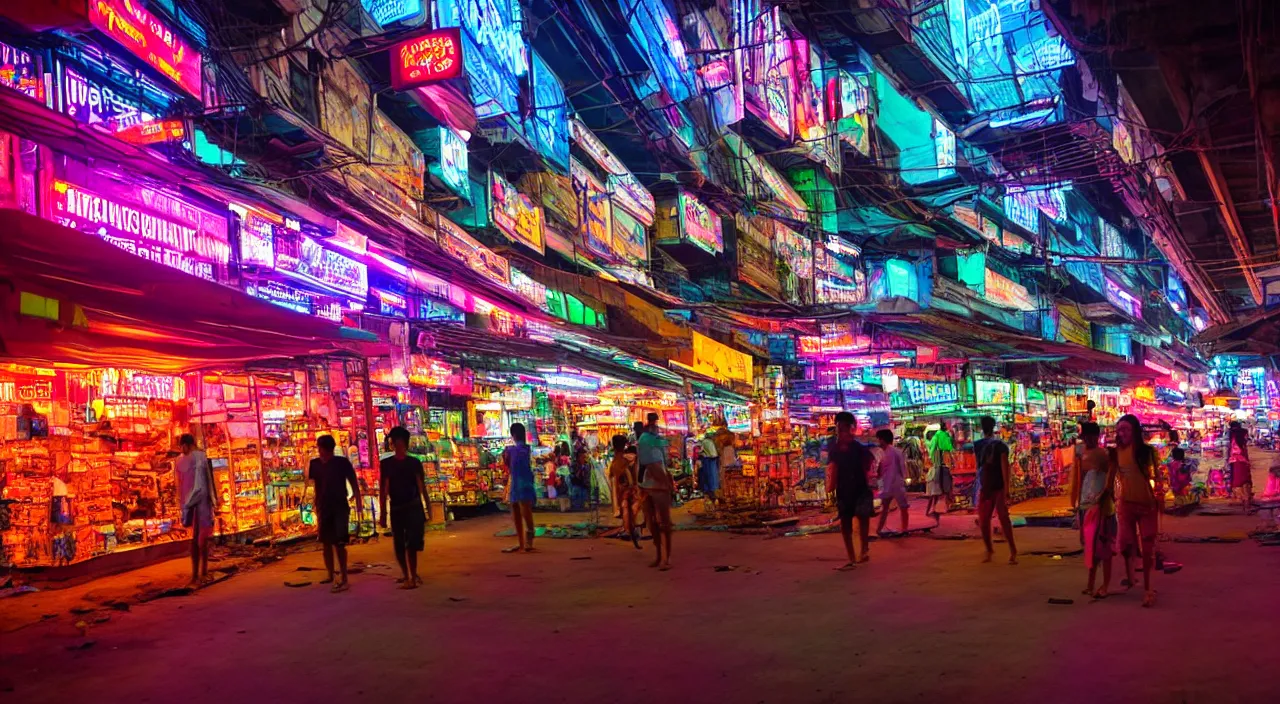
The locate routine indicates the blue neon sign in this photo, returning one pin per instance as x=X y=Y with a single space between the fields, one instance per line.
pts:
x=385 y=12
x=549 y=126
x=494 y=53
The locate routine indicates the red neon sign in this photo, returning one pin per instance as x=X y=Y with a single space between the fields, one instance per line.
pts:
x=154 y=132
x=142 y=33
x=434 y=56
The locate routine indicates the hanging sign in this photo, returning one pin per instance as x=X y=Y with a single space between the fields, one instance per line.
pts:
x=314 y=263
x=386 y=12
x=622 y=185
x=923 y=392
x=1073 y=327
x=148 y=223
x=719 y=361
x=464 y=248
x=992 y=393
x=514 y=214
x=699 y=224
x=494 y=50
x=144 y=34
x=1004 y=292
x=100 y=106
x=18 y=71
x=431 y=57
x=630 y=240
x=595 y=213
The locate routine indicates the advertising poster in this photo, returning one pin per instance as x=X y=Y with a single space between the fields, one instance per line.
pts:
x=428 y=58
x=514 y=214
x=720 y=361
x=150 y=39
x=345 y=106
x=757 y=264
x=595 y=218
x=700 y=225
x=630 y=240
x=464 y=248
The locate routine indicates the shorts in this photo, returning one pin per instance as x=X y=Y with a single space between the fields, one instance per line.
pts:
x=334 y=528
x=408 y=526
x=1135 y=519
x=898 y=495
x=860 y=506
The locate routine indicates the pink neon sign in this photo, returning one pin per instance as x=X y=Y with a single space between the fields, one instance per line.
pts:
x=142 y=33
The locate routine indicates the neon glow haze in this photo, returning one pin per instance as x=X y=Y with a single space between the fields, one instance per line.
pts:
x=494 y=53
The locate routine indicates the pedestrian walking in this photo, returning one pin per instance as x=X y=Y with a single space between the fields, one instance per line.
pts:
x=1136 y=467
x=1241 y=467
x=993 y=474
x=847 y=464
x=403 y=482
x=518 y=461
x=709 y=468
x=938 y=483
x=1094 y=501
x=622 y=479
x=331 y=474
x=893 y=480
x=199 y=503
x=658 y=487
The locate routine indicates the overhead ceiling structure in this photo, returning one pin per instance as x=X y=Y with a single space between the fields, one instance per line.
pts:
x=1200 y=97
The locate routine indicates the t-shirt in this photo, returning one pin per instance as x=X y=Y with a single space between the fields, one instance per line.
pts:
x=1093 y=479
x=938 y=444
x=851 y=464
x=402 y=477
x=651 y=448
x=193 y=478
x=709 y=449
x=331 y=480
x=893 y=469
x=990 y=469
x=618 y=469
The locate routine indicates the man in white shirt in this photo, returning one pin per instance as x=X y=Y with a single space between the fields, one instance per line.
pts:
x=199 y=499
x=893 y=480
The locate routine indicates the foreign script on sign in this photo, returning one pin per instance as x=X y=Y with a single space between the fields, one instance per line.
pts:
x=435 y=56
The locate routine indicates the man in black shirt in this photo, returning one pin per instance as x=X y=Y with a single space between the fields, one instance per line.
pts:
x=402 y=480
x=847 y=463
x=331 y=474
x=994 y=481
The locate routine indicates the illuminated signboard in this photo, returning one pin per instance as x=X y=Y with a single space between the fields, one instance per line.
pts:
x=154 y=132
x=1176 y=292
x=514 y=214
x=623 y=187
x=595 y=213
x=768 y=73
x=944 y=145
x=657 y=35
x=853 y=112
x=453 y=164
x=1073 y=327
x=629 y=238
x=795 y=249
x=529 y=288
x=992 y=393
x=463 y=247
x=144 y=34
x=1005 y=292
x=385 y=12
x=548 y=126
x=148 y=223
x=720 y=361
x=923 y=392
x=840 y=342
x=19 y=72
x=573 y=382
x=1021 y=208
x=494 y=52
x=98 y=105
x=325 y=267
x=699 y=224
x=840 y=278
x=434 y=56
x=257 y=235
x=395 y=156
x=427 y=371
x=1120 y=297
x=283 y=295
x=757 y=264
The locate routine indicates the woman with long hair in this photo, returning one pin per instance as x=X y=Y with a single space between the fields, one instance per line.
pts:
x=1135 y=462
x=1241 y=468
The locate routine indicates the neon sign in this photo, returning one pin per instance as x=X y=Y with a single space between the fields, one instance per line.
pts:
x=769 y=81
x=142 y=33
x=282 y=295
x=989 y=393
x=494 y=52
x=923 y=392
x=1005 y=292
x=700 y=224
x=629 y=237
x=1120 y=297
x=1156 y=367
x=18 y=71
x=514 y=214
x=99 y=106
x=463 y=247
x=548 y=127
x=148 y=223
x=385 y=12
x=795 y=249
x=944 y=148
x=434 y=56
x=327 y=268
x=595 y=213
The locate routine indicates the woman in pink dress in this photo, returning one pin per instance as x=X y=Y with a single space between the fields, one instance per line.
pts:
x=1241 y=469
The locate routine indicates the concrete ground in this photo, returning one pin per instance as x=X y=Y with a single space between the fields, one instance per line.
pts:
x=741 y=618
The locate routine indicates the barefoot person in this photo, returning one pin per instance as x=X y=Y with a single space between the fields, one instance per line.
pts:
x=199 y=503
x=893 y=480
x=331 y=474
x=518 y=460
x=993 y=474
x=403 y=482
x=651 y=448
x=1092 y=494
x=847 y=464
x=622 y=478
x=1135 y=465
x=1241 y=467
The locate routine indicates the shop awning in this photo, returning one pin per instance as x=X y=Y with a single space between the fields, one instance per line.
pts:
x=141 y=314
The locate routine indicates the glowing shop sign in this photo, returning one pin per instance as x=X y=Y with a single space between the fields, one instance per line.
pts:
x=1004 y=292
x=768 y=73
x=494 y=52
x=923 y=392
x=699 y=224
x=426 y=371
x=719 y=361
x=18 y=71
x=944 y=149
x=1157 y=367
x=327 y=268
x=282 y=295
x=629 y=237
x=595 y=213
x=625 y=189
x=384 y=12
x=431 y=57
x=144 y=34
x=154 y=132
x=548 y=125
x=454 y=162
x=1120 y=297
x=795 y=249
x=831 y=343
x=148 y=223
x=463 y=247
x=573 y=382
x=99 y=106
x=1022 y=209
x=257 y=235
x=992 y=393
x=514 y=214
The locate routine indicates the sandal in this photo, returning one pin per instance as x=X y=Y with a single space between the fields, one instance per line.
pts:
x=513 y=548
x=1100 y=595
x=1149 y=599
x=326 y=580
